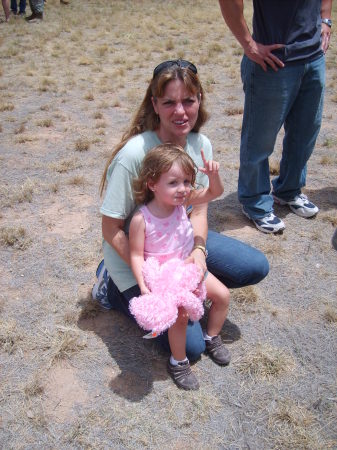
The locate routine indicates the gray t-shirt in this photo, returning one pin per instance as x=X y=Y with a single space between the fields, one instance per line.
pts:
x=295 y=23
x=118 y=201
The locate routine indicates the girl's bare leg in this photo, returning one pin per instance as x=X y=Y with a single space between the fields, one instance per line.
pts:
x=177 y=336
x=219 y=295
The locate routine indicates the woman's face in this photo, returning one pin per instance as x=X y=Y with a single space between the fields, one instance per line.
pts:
x=178 y=112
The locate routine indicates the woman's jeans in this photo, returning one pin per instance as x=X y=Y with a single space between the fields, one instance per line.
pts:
x=293 y=97
x=234 y=263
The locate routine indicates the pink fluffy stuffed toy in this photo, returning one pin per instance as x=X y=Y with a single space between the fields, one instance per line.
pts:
x=172 y=284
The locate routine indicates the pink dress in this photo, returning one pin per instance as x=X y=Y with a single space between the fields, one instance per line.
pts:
x=171 y=237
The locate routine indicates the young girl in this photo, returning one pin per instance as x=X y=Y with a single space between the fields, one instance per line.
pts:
x=161 y=228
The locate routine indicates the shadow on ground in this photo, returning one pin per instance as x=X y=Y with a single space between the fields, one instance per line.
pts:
x=225 y=214
x=140 y=361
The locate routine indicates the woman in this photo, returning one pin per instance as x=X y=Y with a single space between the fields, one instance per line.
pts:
x=172 y=111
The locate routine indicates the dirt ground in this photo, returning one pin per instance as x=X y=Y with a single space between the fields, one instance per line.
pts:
x=75 y=377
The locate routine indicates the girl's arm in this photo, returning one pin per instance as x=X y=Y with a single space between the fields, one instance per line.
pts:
x=215 y=188
x=136 y=242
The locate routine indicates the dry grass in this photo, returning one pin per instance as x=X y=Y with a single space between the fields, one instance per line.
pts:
x=15 y=237
x=330 y=314
x=263 y=361
x=10 y=336
x=61 y=344
x=246 y=295
x=68 y=89
x=34 y=387
x=6 y=107
x=77 y=180
x=274 y=167
x=45 y=123
x=292 y=426
x=328 y=160
x=82 y=145
x=19 y=194
x=64 y=165
x=330 y=217
x=234 y=111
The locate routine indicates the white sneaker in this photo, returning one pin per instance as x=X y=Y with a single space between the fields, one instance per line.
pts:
x=300 y=205
x=100 y=289
x=268 y=224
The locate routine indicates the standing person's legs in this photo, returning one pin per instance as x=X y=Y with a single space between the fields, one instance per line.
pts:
x=37 y=11
x=302 y=126
x=22 y=6
x=36 y=6
x=14 y=6
x=268 y=99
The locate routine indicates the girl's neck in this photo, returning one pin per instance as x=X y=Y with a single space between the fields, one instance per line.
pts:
x=159 y=209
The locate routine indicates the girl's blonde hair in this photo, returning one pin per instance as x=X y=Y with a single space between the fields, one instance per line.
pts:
x=146 y=118
x=157 y=161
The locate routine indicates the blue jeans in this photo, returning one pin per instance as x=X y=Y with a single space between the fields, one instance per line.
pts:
x=36 y=6
x=293 y=97
x=14 y=6
x=234 y=263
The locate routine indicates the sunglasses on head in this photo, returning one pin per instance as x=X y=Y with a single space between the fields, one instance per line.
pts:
x=181 y=63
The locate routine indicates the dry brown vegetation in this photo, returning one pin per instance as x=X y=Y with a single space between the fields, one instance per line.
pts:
x=74 y=377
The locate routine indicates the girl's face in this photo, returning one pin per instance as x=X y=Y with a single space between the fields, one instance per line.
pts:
x=178 y=112
x=173 y=187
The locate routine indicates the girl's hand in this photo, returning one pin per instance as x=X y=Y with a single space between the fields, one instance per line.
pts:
x=144 y=290
x=210 y=167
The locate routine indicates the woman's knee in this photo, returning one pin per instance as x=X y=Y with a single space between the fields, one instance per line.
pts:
x=195 y=343
x=260 y=269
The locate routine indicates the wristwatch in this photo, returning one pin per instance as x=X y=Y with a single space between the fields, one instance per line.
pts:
x=327 y=22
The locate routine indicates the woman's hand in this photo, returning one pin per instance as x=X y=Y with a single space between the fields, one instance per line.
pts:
x=198 y=257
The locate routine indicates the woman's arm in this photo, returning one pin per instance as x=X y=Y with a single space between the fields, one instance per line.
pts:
x=200 y=228
x=137 y=242
x=113 y=233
